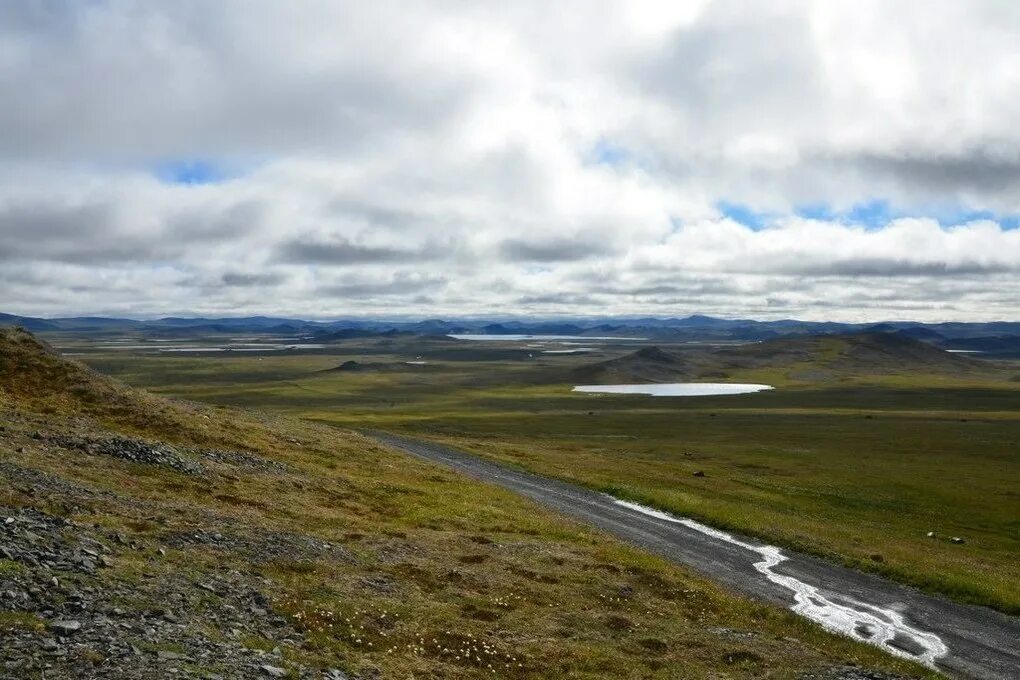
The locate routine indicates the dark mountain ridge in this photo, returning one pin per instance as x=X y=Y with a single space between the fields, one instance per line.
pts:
x=998 y=337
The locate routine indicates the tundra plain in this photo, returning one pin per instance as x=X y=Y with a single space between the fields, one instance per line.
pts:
x=860 y=452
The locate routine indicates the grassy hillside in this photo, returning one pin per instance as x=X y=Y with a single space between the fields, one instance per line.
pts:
x=648 y=364
x=143 y=535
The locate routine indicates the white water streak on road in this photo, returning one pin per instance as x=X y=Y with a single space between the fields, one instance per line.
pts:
x=863 y=621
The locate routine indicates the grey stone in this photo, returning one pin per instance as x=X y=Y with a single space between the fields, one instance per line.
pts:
x=165 y=655
x=65 y=626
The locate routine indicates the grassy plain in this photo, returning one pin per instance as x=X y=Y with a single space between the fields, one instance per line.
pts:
x=438 y=565
x=858 y=468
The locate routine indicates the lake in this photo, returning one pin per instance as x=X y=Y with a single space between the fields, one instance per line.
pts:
x=521 y=338
x=675 y=389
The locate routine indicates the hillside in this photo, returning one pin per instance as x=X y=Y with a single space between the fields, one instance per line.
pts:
x=815 y=358
x=648 y=364
x=145 y=537
x=857 y=354
x=33 y=371
x=375 y=366
x=27 y=322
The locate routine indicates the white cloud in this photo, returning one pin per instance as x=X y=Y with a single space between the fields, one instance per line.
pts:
x=451 y=157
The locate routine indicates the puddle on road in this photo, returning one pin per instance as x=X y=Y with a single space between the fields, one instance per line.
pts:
x=879 y=626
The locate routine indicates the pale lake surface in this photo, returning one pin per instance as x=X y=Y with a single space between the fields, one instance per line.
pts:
x=675 y=389
x=520 y=338
x=576 y=350
x=244 y=348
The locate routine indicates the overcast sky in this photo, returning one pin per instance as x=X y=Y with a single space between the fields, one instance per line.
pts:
x=850 y=160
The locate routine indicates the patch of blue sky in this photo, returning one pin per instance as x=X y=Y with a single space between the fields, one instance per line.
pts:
x=871 y=214
x=745 y=215
x=605 y=152
x=192 y=171
x=877 y=213
x=816 y=211
x=956 y=215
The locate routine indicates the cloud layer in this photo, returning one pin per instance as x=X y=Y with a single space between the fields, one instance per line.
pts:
x=455 y=158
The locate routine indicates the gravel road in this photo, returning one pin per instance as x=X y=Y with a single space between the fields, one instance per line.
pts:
x=957 y=639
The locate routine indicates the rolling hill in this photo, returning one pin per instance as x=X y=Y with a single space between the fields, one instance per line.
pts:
x=811 y=358
x=648 y=364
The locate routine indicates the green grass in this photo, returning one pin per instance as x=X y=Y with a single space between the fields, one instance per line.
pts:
x=12 y=621
x=440 y=565
x=467 y=565
x=10 y=568
x=859 y=469
x=837 y=484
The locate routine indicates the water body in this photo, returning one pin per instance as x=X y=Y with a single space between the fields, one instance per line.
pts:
x=576 y=350
x=880 y=626
x=244 y=348
x=520 y=338
x=675 y=389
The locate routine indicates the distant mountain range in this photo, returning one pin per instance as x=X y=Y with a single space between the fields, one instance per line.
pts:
x=1001 y=338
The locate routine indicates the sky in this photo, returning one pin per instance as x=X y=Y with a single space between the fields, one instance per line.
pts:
x=853 y=160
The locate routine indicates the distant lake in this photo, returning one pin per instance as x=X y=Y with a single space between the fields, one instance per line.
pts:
x=121 y=345
x=576 y=350
x=675 y=389
x=519 y=338
x=251 y=347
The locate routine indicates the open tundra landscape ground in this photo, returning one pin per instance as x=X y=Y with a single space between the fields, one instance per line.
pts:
x=320 y=503
x=149 y=537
